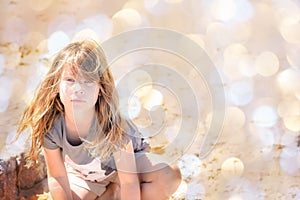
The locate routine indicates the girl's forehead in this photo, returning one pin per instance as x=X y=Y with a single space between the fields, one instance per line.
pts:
x=68 y=69
x=75 y=71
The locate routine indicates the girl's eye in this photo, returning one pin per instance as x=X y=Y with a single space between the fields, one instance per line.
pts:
x=70 y=80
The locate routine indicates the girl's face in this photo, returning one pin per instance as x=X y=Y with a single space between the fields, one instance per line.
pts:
x=77 y=93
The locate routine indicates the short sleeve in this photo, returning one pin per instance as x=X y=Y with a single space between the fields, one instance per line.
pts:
x=53 y=139
x=50 y=142
x=138 y=142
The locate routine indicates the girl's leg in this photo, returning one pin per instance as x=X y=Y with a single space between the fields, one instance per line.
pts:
x=159 y=181
x=160 y=184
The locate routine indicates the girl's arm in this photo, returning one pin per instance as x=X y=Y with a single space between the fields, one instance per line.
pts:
x=126 y=166
x=58 y=182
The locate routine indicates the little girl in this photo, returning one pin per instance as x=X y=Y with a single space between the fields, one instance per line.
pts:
x=90 y=151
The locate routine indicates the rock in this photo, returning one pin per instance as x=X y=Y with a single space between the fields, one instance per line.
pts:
x=20 y=182
x=29 y=177
x=8 y=179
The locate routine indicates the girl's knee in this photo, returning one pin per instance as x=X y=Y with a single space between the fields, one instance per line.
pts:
x=171 y=173
x=170 y=176
x=163 y=181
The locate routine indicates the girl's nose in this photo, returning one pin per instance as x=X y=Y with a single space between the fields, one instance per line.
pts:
x=77 y=88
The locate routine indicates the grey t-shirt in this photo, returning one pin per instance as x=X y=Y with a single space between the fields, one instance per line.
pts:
x=78 y=157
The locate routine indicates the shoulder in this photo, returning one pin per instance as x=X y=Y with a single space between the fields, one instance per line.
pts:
x=58 y=126
x=135 y=137
x=53 y=139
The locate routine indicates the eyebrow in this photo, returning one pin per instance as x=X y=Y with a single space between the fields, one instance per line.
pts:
x=68 y=73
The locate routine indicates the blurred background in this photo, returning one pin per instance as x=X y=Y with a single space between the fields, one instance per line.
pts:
x=254 y=46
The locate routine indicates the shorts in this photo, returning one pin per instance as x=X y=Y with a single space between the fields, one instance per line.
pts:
x=97 y=187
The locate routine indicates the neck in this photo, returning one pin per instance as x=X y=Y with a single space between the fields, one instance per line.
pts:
x=78 y=123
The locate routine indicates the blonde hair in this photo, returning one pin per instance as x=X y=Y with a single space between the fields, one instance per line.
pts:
x=88 y=58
